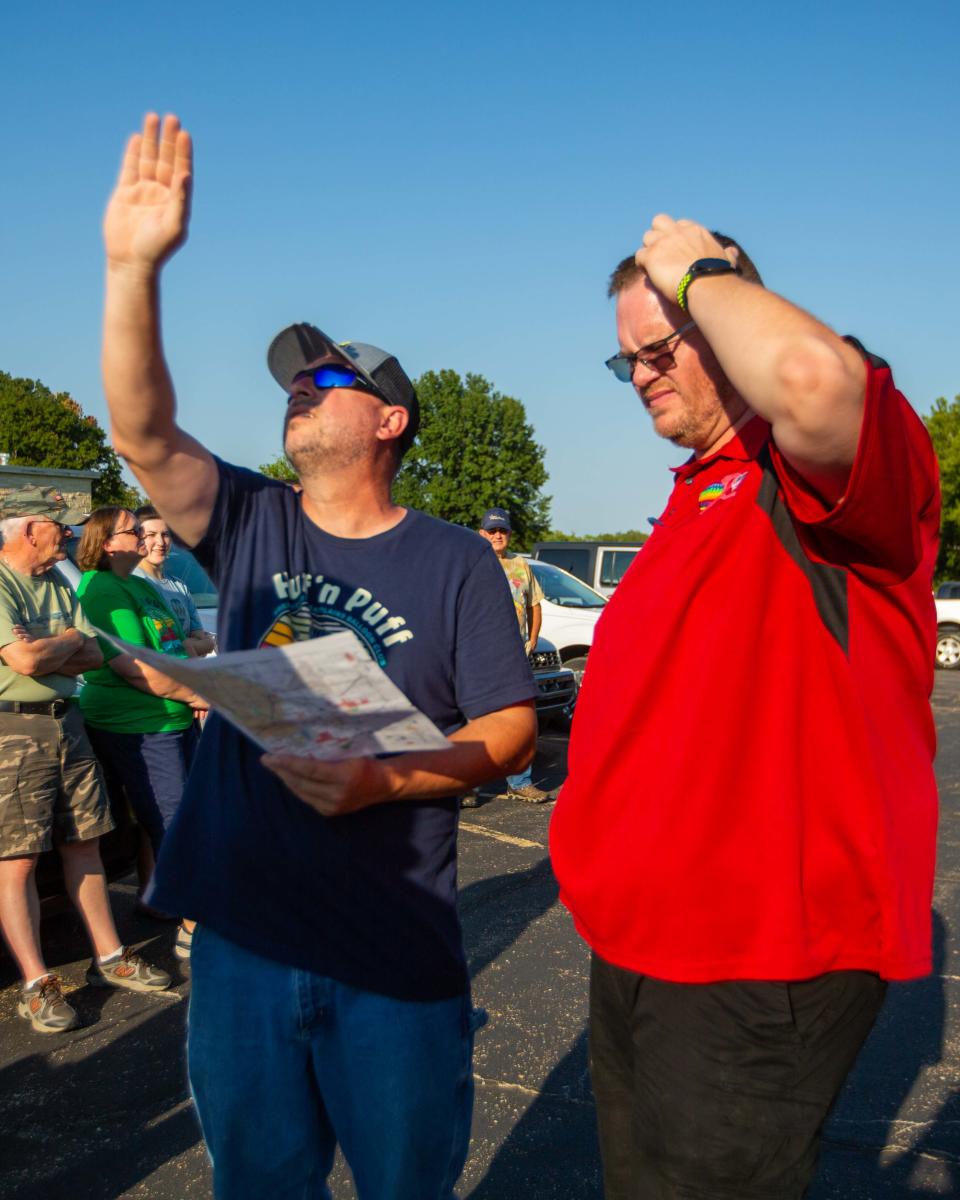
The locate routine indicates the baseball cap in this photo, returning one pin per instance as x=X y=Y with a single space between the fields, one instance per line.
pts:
x=40 y=502
x=297 y=346
x=495 y=518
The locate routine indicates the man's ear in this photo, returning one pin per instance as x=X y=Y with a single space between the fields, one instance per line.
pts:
x=393 y=422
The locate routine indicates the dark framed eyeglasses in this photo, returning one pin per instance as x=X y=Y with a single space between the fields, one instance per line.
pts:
x=134 y=529
x=657 y=357
x=337 y=375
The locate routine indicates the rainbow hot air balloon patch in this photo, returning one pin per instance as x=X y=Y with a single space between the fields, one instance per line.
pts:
x=721 y=489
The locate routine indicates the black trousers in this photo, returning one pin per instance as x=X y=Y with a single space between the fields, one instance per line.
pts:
x=719 y=1090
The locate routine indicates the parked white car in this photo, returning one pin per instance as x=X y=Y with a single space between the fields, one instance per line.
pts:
x=947 y=600
x=570 y=611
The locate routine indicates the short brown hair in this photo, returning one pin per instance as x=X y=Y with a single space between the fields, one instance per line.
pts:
x=146 y=512
x=96 y=530
x=627 y=272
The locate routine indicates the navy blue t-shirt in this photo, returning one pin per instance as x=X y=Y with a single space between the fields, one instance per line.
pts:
x=368 y=898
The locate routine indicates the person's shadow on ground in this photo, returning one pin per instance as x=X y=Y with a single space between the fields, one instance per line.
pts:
x=553 y=1151
x=907 y=1038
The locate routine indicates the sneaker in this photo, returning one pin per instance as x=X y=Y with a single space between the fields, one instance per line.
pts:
x=470 y=799
x=44 y=1007
x=128 y=971
x=529 y=794
x=181 y=947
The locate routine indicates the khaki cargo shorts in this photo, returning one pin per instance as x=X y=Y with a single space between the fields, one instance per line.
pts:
x=51 y=787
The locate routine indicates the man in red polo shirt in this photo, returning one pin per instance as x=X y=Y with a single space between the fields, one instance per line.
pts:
x=746 y=835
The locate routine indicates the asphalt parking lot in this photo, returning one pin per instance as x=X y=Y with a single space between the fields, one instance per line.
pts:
x=104 y=1112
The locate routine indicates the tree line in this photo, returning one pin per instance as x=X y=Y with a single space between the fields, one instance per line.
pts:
x=476 y=450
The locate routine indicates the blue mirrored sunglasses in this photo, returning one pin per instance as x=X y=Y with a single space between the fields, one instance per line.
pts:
x=337 y=375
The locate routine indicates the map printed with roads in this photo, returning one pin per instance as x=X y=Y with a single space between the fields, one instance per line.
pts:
x=323 y=698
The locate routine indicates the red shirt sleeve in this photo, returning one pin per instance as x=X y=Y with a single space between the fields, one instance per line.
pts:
x=883 y=525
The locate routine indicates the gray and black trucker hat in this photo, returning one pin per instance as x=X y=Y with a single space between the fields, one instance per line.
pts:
x=295 y=347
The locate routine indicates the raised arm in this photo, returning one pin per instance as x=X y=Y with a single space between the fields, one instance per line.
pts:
x=146 y=222
x=789 y=367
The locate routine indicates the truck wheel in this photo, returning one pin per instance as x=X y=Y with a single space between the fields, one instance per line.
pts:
x=577 y=666
x=947 y=655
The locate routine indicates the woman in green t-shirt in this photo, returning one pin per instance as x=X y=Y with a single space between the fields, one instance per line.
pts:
x=142 y=724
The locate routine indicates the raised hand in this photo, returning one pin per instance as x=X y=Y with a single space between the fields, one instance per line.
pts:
x=148 y=213
x=670 y=247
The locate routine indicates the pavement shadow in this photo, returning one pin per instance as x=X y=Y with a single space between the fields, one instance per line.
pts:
x=532 y=890
x=552 y=1151
x=96 y=1126
x=863 y=1127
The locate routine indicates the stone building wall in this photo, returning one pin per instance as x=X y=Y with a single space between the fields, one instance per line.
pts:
x=74 y=486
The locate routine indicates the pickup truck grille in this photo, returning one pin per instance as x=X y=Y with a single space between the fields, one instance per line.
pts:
x=545 y=660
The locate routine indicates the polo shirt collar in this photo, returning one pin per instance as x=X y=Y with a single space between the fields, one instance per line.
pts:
x=744 y=446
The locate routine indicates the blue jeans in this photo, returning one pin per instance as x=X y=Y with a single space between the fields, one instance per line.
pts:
x=284 y=1064
x=518 y=781
x=151 y=769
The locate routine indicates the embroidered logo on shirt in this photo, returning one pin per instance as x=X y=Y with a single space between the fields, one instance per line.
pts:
x=723 y=489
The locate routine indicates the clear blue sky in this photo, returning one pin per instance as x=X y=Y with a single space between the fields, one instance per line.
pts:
x=455 y=182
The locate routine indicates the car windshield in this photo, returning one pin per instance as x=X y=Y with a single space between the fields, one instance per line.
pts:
x=566 y=590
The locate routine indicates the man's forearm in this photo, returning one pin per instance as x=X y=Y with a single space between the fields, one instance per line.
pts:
x=789 y=367
x=786 y=365
x=534 y=621
x=43 y=656
x=177 y=472
x=136 y=380
x=499 y=743
x=87 y=658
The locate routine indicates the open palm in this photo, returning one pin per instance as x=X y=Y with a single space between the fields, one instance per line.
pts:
x=149 y=210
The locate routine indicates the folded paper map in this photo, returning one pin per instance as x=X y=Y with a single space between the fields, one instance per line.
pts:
x=322 y=698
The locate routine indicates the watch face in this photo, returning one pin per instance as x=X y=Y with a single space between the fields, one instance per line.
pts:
x=711 y=266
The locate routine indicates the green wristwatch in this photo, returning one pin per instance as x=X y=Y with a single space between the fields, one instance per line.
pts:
x=703 y=266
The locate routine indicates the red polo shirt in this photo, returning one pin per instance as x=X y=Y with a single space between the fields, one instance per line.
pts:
x=751 y=791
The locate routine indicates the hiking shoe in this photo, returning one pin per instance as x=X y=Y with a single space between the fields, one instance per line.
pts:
x=44 y=1007
x=529 y=794
x=181 y=947
x=470 y=799
x=128 y=971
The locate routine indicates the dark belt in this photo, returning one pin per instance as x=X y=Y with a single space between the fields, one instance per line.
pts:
x=48 y=708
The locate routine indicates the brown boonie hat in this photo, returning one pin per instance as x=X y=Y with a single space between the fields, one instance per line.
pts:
x=40 y=502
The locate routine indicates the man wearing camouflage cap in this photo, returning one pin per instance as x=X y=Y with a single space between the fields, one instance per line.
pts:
x=51 y=792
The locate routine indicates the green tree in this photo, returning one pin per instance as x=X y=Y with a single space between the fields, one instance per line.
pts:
x=278 y=468
x=943 y=424
x=628 y=537
x=475 y=451
x=40 y=428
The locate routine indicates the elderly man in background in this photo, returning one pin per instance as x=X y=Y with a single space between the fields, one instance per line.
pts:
x=51 y=792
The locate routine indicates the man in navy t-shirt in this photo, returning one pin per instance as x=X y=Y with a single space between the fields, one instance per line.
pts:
x=330 y=1000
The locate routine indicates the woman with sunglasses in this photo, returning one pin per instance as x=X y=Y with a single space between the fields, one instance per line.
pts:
x=141 y=723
